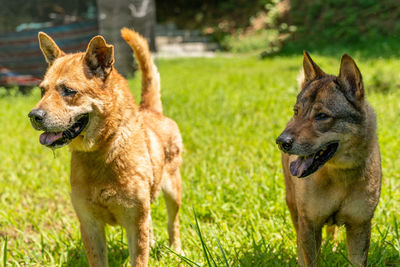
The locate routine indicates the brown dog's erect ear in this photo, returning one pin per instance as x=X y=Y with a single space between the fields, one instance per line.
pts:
x=311 y=70
x=49 y=48
x=99 y=56
x=351 y=78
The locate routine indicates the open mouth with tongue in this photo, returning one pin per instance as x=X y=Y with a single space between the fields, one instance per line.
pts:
x=305 y=165
x=59 y=139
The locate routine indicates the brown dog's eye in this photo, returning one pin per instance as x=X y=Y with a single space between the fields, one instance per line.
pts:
x=68 y=91
x=321 y=116
x=295 y=111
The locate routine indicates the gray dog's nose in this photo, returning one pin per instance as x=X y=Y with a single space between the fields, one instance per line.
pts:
x=285 y=142
x=37 y=115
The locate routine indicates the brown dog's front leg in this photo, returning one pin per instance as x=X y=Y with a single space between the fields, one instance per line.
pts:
x=358 y=238
x=138 y=232
x=309 y=239
x=94 y=241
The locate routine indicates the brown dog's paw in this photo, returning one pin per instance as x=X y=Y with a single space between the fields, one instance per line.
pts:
x=178 y=250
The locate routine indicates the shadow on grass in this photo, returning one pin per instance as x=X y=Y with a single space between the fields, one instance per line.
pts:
x=117 y=252
x=118 y=255
x=262 y=254
x=381 y=253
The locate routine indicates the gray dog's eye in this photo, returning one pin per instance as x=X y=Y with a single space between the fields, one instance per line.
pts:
x=321 y=116
x=68 y=91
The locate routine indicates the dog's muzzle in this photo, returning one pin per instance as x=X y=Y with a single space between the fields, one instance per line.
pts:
x=57 y=138
x=37 y=117
x=285 y=142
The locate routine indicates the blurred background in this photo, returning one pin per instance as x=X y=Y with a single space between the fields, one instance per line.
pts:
x=182 y=28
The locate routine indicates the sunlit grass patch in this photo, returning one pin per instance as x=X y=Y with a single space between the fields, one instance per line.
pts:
x=229 y=110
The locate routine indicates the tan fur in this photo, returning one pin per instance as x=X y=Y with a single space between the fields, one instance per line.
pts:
x=125 y=155
x=151 y=97
x=346 y=189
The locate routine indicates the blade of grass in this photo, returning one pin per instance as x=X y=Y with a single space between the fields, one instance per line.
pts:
x=186 y=260
x=344 y=256
x=396 y=227
x=222 y=251
x=5 y=252
x=198 y=230
x=211 y=257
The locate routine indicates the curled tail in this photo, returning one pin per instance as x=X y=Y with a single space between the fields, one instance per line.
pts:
x=151 y=96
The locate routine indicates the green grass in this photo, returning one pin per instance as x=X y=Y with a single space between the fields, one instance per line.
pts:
x=230 y=110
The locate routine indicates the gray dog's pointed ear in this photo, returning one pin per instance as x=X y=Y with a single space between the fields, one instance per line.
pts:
x=99 y=56
x=350 y=77
x=49 y=48
x=311 y=70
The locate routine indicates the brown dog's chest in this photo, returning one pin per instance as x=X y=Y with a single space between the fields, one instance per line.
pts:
x=105 y=213
x=105 y=190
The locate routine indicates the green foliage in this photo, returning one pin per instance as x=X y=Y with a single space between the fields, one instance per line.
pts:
x=229 y=110
x=311 y=23
x=263 y=39
x=317 y=23
x=324 y=22
x=269 y=35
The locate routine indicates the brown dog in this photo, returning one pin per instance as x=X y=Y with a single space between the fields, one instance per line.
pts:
x=331 y=161
x=122 y=153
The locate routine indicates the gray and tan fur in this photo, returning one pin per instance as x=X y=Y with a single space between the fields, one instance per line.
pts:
x=331 y=111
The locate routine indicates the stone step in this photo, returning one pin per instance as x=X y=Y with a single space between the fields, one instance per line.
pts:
x=176 y=54
x=170 y=29
x=173 y=42
x=187 y=33
x=187 y=47
x=161 y=40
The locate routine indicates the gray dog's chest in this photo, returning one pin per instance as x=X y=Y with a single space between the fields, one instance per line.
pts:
x=335 y=203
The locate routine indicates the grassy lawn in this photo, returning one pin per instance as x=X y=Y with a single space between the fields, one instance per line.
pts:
x=230 y=110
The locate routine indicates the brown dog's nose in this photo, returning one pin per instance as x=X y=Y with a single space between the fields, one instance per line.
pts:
x=37 y=115
x=285 y=142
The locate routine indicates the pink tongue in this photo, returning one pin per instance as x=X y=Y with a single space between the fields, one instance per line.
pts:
x=300 y=165
x=49 y=138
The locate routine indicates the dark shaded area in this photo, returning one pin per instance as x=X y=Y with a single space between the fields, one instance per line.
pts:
x=261 y=254
x=353 y=21
x=216 y=18
x=18 y=12
x=198 y=14
x=116 y=251
x=367 y=28
x=21 y=20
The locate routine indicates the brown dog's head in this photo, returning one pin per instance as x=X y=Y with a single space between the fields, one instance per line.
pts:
x=71 y=97
x=328 y=113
